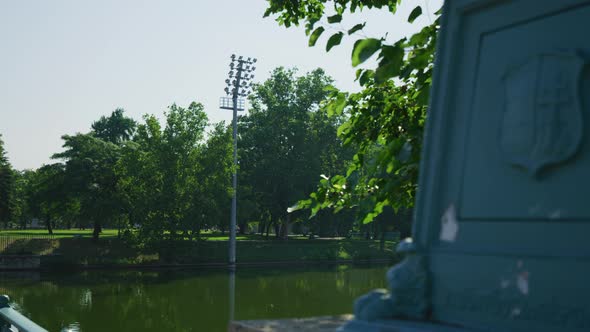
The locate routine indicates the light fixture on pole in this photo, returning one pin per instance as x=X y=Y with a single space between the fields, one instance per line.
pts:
x=239 y=84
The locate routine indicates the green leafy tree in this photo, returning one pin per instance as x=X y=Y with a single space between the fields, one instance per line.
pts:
x=286 y=143
x=90 y=176
x=158 y=173
x=116 y=128
x=140 y=178
x=24 y=189
x=47 y=192
x=214 y=174
x=6 y=186
x=90 y=161
x=385 y=120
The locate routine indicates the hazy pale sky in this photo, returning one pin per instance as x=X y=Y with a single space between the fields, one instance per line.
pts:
x=65 y=63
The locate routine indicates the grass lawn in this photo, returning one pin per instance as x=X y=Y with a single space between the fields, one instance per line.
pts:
x=245 y=237
x=106 y=233
x=57 y=233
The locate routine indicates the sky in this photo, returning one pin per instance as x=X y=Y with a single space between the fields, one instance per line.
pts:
x=66 y=63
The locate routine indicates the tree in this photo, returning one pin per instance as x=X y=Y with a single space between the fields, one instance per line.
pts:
x=47 y=197
x=159 y=173
x=90 y=176
x=6 y=186
x=286 y=143
x=385 y=120
x=215 y=165
x=116 y=128
x=24 y=189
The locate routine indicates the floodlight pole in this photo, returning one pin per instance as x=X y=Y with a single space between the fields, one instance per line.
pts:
x=239 y=87
x=234 y=198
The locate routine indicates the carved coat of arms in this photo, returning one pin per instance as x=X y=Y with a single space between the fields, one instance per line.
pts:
x=542 y=123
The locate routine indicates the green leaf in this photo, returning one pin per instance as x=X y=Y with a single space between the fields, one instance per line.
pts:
x=358 y=73
x=363 y=49
x=345 y=127
x=423 y=97
x=310 y=24
x=334 y=40
x=390 y=64
x=315 y=35
x=335 y=19
x=421 y=37
x=356 y=28
x=366 y=77
x=414 y=14
x=330 y=88
x=298 y=206
x=392 y=5
x=336 y=106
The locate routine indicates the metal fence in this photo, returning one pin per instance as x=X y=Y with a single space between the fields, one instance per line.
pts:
x=14 y=243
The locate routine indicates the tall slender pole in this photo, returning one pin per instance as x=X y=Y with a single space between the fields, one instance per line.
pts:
x=234 y=198
x=240 y=87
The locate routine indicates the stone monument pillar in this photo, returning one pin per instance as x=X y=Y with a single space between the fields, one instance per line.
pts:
x=501 y=238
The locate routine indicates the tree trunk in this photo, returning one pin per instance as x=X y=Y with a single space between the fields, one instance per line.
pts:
x=268 y=228
x=96 y=231
x=49 y=228
x=277 y=226
x=285 y=228
x=262 y=226
x=242 y=229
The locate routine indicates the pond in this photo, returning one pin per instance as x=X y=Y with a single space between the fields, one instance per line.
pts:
x=188 y=300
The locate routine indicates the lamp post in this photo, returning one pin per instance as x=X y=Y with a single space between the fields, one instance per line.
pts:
x=239 y=85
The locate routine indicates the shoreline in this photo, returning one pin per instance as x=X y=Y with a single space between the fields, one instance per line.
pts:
x=211 y=265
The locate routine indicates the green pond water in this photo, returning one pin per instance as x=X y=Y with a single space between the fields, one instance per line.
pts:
x=188 y=300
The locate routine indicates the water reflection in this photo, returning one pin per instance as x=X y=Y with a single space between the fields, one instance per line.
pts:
x=185 y=300
x=74 y=327
x=232 y=293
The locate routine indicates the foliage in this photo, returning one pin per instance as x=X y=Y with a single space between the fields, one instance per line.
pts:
x=6 y=186
x=90 y=177
x=46 y=194
x=160 y=183
x=21 y=199
x=215 y=174
x=385 y=120
x=285 y=143
x=171 y=181
x=116 y=128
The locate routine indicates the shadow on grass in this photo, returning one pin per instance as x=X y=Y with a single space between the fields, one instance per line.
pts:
x=84 y=251
x=112 y=251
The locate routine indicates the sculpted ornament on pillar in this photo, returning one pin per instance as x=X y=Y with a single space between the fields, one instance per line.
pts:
x=542 y=122
x=407 y=297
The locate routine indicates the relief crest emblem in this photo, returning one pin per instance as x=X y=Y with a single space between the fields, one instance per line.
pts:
x=542 y=122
